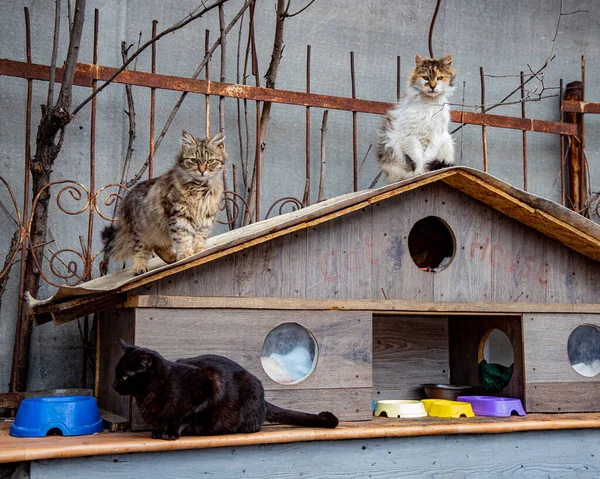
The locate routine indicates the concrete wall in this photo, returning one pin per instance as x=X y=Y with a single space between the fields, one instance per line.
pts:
x=502 y=37
x=572 y=455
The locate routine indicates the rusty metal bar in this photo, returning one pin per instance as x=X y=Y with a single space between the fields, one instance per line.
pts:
x=207 y=77
x=83 y=77
x=398 y=78
x=354 y=126
x=524 y=133
x=152 y=105
x=581 y=107
x=561 y=104
x=307 y=185
x=483 y=128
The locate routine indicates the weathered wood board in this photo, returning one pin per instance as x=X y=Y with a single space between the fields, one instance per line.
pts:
x=466 y=334
x=408 y=351
x=552 y=384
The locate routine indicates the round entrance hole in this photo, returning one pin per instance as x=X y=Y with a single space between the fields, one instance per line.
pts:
x=583 y=348
x=289 y=353
x=431 y=244
x=496 y=359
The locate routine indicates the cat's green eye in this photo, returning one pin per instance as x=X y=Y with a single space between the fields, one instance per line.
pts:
x=426 y=78
x=440 y=78
x=211 y=161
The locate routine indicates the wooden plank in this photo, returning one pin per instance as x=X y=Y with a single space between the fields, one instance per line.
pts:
x=352 y=404
x=114 y=423
x=344 y=340
x=381 y=306
x=517 y=256
x=113 y=325
x=465 y=338
x=546 y=337
x=276 y=269
x=563 y=397
x=571 y=277
x=34 y=449
x=395 y=274
x=68 y=311
x=469 y=276
x=408 y=351
x=337 y=260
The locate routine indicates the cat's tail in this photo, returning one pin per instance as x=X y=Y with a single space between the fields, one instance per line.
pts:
x=438 y=165
x=114 y=238
x=278 y=415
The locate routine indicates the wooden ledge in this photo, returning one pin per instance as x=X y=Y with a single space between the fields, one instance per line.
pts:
x=380 y=306
x=14 y=449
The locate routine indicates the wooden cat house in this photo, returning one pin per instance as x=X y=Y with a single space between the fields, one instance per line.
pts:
x=370 y=295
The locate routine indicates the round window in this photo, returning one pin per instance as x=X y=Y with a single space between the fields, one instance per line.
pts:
x=289 y=353
x=496 y=360
x=431 y=244
x=583 y=348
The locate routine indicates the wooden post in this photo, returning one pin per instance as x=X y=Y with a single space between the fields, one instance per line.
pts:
x=574 y=92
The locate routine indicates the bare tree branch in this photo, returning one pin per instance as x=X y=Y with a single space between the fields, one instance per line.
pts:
x=290 y=15
x=322 y=175
x=9 y=261
x=50 y=99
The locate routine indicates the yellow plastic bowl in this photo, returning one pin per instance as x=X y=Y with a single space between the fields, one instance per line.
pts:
x=402 y=408
x=446 y=408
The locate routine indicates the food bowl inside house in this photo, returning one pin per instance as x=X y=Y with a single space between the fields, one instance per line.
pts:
x=445 y=391
x=400 y=408
x=57 y=415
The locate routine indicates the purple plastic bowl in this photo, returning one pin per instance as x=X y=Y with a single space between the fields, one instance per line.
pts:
x=494 y=406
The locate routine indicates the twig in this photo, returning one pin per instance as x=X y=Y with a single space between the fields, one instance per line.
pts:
x=222 y=104
x=375 y=180
x=290 y=15
x=180 y=24
x=50 y=99
x=239 y=114
x=322 y=175
x=130 y=112
x=175 y=109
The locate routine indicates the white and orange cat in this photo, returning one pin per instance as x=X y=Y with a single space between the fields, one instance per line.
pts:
x=414 y=138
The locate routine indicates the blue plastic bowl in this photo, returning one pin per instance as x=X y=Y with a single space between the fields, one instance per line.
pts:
x=71 y=415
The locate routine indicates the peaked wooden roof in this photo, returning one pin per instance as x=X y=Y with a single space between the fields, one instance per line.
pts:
x=548 y=217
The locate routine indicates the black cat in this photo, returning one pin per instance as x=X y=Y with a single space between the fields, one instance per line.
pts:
x=201 y=396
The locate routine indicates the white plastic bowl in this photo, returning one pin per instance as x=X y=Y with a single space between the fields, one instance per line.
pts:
x=402 y=408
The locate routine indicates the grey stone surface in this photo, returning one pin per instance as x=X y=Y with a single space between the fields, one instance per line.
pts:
x=540 y=454
x=503 y=37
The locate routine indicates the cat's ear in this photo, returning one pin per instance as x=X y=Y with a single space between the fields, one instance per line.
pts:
x=418 y=61
x=447 y=60
x=145 y=361
x=187 y=139
x=218 y=141
x=126 y=346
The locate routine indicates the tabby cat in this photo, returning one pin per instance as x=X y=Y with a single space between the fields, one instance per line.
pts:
x=173 y=214
x=414 y=137
x=205 y=395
